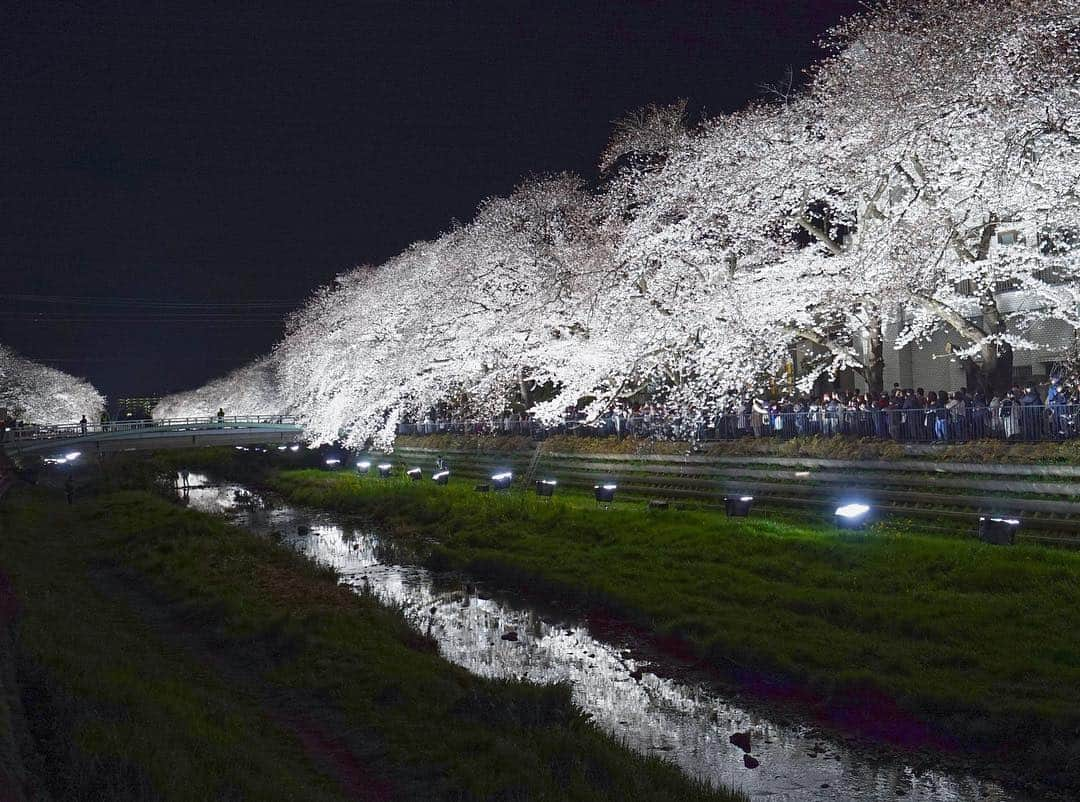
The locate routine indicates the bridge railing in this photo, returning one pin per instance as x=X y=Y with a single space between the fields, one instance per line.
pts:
x=72 y=430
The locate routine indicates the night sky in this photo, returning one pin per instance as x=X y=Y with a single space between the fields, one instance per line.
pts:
x=220 y=164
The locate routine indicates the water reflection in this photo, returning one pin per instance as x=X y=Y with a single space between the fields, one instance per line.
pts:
x=688 y=723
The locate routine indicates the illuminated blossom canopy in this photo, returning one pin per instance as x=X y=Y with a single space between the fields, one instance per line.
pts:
x=35 y=393
x=917 y=173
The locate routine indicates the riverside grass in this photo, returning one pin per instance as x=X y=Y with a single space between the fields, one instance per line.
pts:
x=980 y=643
x=165 y=655
x=989 y=451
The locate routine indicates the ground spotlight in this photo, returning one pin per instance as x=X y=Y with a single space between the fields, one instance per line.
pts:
x=738 y=506
x=363 y=466
x=605 y=494
x=384 y=470
x=440 y=477
x=545 y=487
x=851 y=516
x=415 y=474
x=281 y=448
x=501 y=481
x=999 y=531
x=74 y=455
x=294 y=447
x=332 y=462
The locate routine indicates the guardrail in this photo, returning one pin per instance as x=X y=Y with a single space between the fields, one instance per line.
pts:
x=17 y=434
x=1030 y=423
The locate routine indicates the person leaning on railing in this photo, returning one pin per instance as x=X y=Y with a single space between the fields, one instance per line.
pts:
x=1056 y=404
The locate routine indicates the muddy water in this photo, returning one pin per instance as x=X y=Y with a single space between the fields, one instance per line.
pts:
x=686 y=722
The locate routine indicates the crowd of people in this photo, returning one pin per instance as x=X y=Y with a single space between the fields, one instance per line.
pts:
x=1022 y=412
x=902 y=414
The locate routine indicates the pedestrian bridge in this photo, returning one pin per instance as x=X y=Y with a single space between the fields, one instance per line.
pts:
x=55 y=441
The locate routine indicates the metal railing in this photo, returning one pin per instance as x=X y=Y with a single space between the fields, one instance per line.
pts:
x=14 y=433
x=1014 y=422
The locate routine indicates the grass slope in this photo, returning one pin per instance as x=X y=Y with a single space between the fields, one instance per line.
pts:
x=164 y=655
x=896 y=627
x=989 y=451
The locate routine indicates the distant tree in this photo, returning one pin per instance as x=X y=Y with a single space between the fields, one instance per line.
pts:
x=251 y=390
x=36 y=393
x=650 y=133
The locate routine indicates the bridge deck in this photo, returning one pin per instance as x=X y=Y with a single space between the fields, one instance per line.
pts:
x=57 y=440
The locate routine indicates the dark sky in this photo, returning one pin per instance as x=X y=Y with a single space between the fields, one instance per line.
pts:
x=211 y=161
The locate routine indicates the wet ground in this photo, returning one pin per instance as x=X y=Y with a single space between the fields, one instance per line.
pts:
x=498 y=634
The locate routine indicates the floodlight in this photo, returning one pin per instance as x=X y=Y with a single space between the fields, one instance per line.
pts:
x=501 y=481
x=281 y=448
x=74 y=455
x=415 y=474
x=384 y=470
x=332 y=462
x=738 y=506
x=545 y=487
x=441 y=477
x=605 y=494
x=851 y=515
x=998 y=531
x=363 y=465
x=294 y=447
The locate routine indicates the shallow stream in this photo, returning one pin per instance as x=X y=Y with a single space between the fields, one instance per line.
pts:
x=687 y=722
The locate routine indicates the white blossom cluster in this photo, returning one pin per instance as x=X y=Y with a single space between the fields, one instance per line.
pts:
x=928 y=173
x=34 y=393
x=250 y=390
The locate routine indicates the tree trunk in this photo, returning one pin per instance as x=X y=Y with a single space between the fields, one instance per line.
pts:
x=523 y=387
x=993 y=374
x=875 y=359
x=999 y=368
x=997 y=358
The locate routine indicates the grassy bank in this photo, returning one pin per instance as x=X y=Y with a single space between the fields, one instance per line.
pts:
x=841 y=448
x=937 y=640
x=157 y=653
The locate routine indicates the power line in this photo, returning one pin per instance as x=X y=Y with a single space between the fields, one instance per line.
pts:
x=147 y=313
x=147 y=302
x=129 y=359
x=141 y=321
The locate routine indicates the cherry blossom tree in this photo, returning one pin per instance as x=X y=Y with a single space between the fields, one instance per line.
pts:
x=926 y=179
x=36 y=393
x=251 y=390
x=947 y=125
